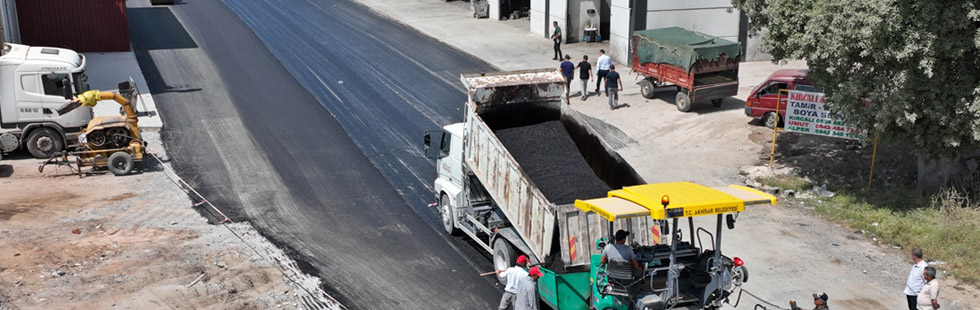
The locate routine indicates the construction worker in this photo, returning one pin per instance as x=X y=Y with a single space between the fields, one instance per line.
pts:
x=527 y=290
x=620 y=250
x=820 y=302
x=511 y=276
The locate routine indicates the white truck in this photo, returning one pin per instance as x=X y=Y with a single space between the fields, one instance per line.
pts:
x=34 y=83
x=509 y=174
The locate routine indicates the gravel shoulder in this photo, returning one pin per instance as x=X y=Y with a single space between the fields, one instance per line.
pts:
x=130 y=242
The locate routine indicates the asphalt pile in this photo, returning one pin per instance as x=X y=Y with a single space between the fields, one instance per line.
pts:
x=551 y=160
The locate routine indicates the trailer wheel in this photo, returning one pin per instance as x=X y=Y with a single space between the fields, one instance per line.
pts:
x=647 y=88
x=717 y=102
x=503 y=256
x=120 y=163
x=448 y=216
x=771 y=120
x=683 y=101
x=44 y=143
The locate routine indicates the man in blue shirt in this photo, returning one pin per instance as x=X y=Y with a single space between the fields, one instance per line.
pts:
x=612 y=91
x=568 y=70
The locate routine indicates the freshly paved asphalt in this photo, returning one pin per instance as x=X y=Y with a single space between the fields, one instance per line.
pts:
x=316 y=139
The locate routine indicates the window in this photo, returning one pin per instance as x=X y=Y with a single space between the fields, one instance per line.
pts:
x=773 y=89
x=445 y=144
x=81 y=82
x=51 y=82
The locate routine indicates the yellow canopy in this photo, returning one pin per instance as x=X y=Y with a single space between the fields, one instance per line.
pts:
x=686 y=200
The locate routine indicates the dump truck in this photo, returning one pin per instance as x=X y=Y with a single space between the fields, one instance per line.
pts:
x=701 y=67
x=509 y=174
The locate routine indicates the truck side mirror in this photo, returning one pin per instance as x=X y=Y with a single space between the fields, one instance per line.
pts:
x=428 y=139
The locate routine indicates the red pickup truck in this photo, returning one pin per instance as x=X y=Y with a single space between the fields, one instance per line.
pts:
x=761 y=103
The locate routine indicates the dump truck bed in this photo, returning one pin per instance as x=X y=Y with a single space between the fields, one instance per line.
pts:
x=507 y=115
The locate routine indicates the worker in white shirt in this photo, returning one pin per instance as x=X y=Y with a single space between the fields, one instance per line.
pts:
x=511 y=276
x=915 y=281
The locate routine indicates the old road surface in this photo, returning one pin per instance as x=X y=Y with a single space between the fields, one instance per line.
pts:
x=316 y=139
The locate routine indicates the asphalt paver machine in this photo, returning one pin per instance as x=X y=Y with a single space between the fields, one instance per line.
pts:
x=685 y=271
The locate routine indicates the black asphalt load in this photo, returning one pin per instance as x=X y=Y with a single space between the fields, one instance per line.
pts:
x=547 y=153
x=243 y=131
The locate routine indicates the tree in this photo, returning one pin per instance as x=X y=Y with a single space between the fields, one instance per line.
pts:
x=906 y=70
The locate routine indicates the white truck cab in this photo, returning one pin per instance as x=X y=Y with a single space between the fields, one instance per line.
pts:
x=34 y=83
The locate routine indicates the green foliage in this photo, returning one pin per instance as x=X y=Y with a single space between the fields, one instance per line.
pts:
x=784 y=182
x=904 y=69
x=947 y=229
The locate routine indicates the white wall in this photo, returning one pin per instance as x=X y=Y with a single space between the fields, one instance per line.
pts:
x=494 y=9
x=8 y=14
x=557 y=12
x=619 y=27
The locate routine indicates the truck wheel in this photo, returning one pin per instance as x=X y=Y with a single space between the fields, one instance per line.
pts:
x=771 y=120
x=120 y=163
x=717 y=102
x=682 y=101
x=503 y=255
x=44 y=143
x=647 y=88
x=448 y=216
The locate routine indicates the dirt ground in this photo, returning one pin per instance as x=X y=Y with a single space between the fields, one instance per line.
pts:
x=790 y=251
x=130 y=242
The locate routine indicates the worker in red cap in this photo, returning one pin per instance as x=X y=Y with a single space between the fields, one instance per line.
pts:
x=527 y=290
x=511 y=276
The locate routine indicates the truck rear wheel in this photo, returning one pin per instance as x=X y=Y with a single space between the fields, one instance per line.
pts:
x=647 y=88
x=683 y=101
x=448 y=216
x=44 y=143
x=503 y=255
x=717 y=102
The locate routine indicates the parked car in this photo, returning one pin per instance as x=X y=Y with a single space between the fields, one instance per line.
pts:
x=761 y=103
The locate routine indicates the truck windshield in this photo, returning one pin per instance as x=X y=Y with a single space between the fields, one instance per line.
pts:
x=81 y=82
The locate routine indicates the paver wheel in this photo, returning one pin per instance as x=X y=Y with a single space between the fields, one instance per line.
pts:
x=448 y=216
x=121 y=163
x=647 y=88
x=44 y=143
x=682 y=101
x=503 y=255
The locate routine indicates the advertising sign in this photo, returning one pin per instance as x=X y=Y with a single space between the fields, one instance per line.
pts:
x=805 y=114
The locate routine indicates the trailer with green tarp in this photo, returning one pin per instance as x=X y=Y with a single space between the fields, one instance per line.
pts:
x=701 y=67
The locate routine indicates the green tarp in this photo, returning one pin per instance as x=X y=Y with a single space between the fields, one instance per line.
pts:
x=681 y=47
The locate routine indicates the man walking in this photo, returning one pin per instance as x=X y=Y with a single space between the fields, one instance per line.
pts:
x=568 y=71
x=612 y=80
x=527 y=290
x=927 y=299
x=584 y=75
x=556 y=36
x=602 y=66
x=511 y=276
x=915 y=281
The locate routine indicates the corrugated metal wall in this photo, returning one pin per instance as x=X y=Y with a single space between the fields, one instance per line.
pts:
x=81 y=25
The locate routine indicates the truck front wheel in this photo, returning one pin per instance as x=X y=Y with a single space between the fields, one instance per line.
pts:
x=44 y=143
x=503 y=255
x=448 y=216
x=683 y=101
x=771 y=120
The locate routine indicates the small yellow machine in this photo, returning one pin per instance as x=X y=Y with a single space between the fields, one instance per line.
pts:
x=113 y=142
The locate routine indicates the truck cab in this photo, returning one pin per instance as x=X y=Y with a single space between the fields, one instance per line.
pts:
x=762 y=102
x=34 y=83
